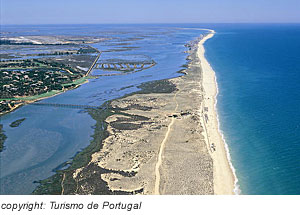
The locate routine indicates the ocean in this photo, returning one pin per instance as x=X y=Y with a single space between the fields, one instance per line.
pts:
x=258 y=75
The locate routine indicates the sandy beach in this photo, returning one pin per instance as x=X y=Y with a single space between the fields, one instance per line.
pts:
x=162 y=140
x=224 y=178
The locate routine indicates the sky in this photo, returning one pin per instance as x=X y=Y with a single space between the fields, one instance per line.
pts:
x=150 y=11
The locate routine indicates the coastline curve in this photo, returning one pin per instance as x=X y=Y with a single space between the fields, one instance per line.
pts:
x=225 y=179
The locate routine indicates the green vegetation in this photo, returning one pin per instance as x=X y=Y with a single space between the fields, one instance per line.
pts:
x=52 y=185
x=4 y=106
x=17 y=123
x=87 y=49
x=161 y=86
x=31 y=79
x=29 y=98
x=76 y=82
x=55 y=53
x=2 y=138
x=25 y=78
x=21 y=64
x=48 y=94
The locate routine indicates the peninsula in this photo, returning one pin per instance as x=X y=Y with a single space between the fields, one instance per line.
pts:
x=163 y=139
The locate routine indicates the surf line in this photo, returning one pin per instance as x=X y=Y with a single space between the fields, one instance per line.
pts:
x=203 y=60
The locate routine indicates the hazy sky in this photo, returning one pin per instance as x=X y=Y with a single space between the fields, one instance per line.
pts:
x=150 y=11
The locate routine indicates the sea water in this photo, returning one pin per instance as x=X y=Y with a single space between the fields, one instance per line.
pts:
x=258 y=75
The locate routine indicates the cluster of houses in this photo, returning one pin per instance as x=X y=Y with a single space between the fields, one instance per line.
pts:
x=19 y=83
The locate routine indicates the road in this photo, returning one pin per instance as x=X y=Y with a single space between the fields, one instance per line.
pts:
x=90 y=69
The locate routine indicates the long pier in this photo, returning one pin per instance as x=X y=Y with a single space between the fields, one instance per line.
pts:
x=90 y=69
x=75 y=106
x=124 y=66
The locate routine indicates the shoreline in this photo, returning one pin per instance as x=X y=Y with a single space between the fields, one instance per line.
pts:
x=26 y=100
x=225 y=180
x=143 y=143
x=154 y=133
x=29 y=101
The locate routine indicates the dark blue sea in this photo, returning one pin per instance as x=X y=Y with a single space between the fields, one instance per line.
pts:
x=258 y=75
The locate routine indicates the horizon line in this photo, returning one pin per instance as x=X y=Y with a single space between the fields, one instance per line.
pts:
x=153 y=23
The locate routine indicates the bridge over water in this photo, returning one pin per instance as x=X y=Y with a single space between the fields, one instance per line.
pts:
x=75 y=106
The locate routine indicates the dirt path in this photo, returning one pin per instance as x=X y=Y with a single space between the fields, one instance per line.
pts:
x=161 y=149
x=62 y=185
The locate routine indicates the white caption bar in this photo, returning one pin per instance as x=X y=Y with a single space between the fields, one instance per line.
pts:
x=143 y=205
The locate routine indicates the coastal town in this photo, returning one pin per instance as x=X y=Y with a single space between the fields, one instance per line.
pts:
x=42 y=74
x=37 y=67
x=32 y=80
x=22 y=79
